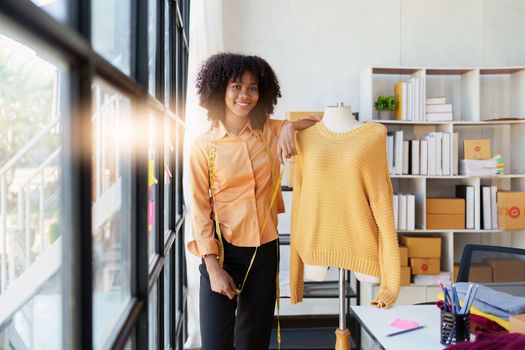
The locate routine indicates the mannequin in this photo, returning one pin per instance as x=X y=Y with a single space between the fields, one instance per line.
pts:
x=341 y=119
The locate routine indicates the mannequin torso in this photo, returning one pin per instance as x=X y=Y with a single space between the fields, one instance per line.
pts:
x=339 y=119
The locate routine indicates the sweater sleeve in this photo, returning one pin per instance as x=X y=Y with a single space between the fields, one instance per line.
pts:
x=380 y=193
x=296 y=264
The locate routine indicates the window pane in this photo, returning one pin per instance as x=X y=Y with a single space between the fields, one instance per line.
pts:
x=178 y=173
x=56 y=8
x=32 y=87
x=169 y=153
x=152 y=44
x=152 y=183
x=167 y=55
x=111 y=220
x=152 y=319
x=167 y=301
x=110 y=31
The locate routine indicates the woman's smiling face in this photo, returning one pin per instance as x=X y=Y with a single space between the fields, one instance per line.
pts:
x=241 y=95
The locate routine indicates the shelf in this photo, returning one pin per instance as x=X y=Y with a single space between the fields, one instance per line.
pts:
x=459 y=123
x=327 y=289
x=450 y=231
x=487 y=103
x=502 y=176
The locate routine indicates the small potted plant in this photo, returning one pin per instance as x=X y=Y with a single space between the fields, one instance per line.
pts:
x=385 y=105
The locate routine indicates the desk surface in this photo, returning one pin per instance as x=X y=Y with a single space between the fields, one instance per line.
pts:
x=377 y=323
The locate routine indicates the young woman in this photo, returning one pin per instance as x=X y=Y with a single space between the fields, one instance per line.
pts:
x=235 y=199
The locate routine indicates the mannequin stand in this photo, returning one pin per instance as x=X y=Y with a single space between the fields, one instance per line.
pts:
x=342 y=334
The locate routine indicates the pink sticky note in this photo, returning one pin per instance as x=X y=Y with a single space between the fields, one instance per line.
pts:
x=404 y=324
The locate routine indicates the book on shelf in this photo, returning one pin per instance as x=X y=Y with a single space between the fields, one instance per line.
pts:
x=438 y=108
x=446 y=146
x=486 y=210
x=455 y=153
x=411 y=211
x=414 y=156
x=416 y=97
x=398 y=152
x=395 y=205
x=494 y=207
x=400 y=92
x=402 y=218
x=423 y=161
x=423 y=94
x=438 y=138
x=431 y=154
x=390 y=151
x=405 y=157
x=410 y=93
x=439 y=117
x=404 y=211
x=436 y=100
x=467 y=193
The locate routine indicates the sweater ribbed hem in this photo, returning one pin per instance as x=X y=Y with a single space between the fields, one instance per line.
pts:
x=343 y=260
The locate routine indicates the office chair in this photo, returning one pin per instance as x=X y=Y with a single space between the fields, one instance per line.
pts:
x=476 y=253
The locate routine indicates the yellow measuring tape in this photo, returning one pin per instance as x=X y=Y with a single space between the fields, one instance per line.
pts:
x=276 y=184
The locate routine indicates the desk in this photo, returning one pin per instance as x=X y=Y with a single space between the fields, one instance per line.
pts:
x=376 y=322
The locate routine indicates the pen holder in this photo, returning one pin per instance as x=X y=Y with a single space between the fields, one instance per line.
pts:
x=455 y=328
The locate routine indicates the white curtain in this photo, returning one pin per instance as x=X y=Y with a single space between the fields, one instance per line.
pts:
x=206 y=39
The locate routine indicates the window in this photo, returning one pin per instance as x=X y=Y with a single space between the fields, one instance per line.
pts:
x=56 y=8
x=111 y=31
x=88 y=178
x=169 y=156
x=152 y=319
x=32 y=94
x=111 y=219
x=152 y=45
x=152 y=183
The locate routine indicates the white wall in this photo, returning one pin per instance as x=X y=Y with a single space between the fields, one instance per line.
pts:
x=318 y=48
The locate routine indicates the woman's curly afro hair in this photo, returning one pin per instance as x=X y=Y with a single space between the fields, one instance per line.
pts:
x=216 y=73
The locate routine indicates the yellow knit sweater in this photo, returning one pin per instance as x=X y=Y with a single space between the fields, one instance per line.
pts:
x=342 y=211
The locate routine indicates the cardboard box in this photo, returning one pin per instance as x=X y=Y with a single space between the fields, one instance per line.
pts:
x=445 y=213
x=507 y=270
x=293 y=116
x=422 y=247
x=405 y=276
x=511 y=210
x=445 y=221
x=480 y=273
x=476 y=149
x=403 y=255
x=454 y=206
x=425 y=266
x=517 y=324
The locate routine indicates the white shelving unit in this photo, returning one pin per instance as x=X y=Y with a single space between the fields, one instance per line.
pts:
x=486 y=103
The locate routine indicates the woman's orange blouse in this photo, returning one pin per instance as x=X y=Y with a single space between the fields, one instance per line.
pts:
x=243 y=187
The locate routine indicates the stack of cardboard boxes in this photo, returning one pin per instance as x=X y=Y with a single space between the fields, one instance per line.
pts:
x=445 y=213
x=405 y=269
x=424 y=254
x=495 y=270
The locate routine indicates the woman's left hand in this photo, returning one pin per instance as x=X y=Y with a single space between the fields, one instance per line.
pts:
x=286 y=143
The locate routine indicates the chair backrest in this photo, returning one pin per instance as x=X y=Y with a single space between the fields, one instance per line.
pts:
x=504 y=262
